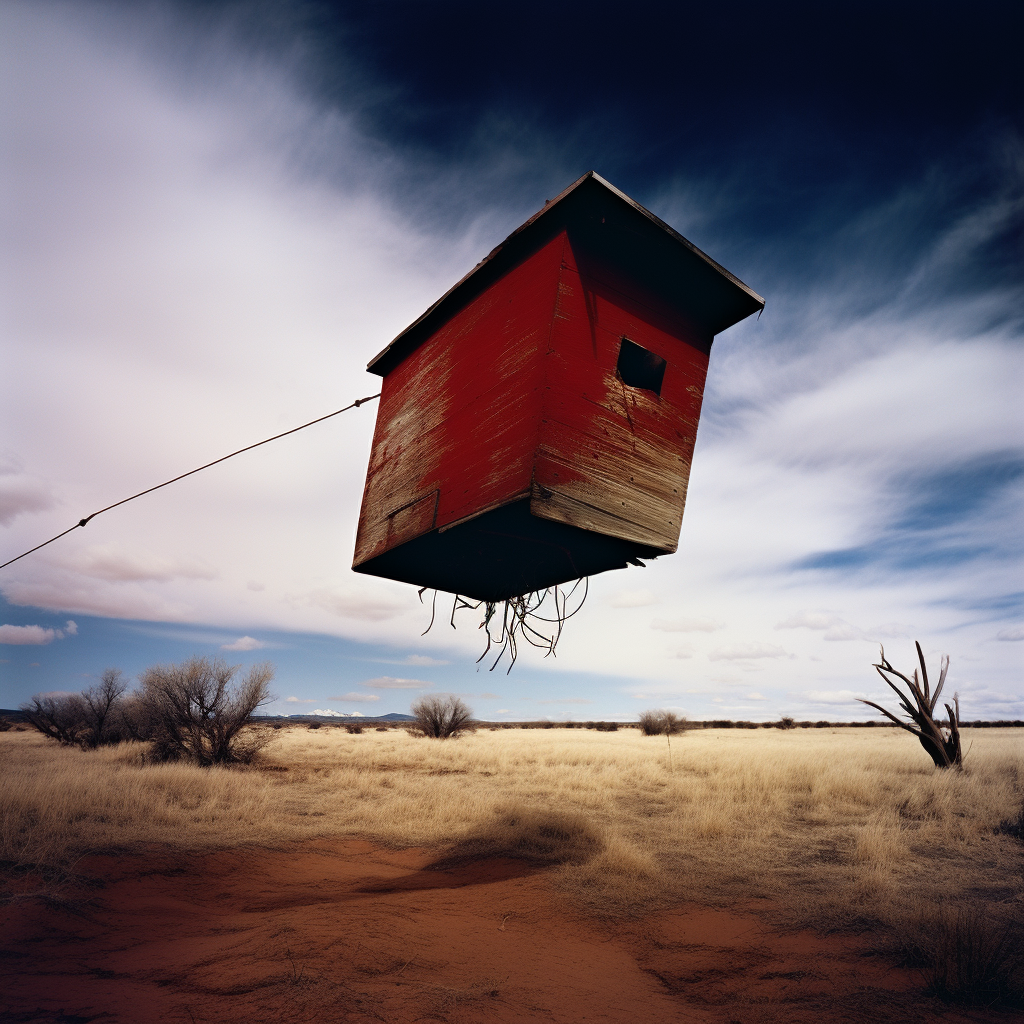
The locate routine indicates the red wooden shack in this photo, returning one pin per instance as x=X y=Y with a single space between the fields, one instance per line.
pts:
x=536 y=424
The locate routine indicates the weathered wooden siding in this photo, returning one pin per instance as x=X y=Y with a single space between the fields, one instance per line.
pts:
x=613 y=458
x=458 y=421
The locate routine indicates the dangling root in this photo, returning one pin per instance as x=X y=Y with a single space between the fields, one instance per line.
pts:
x=515 y=619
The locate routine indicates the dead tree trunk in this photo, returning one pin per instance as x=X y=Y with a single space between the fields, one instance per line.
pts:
x=942 y=747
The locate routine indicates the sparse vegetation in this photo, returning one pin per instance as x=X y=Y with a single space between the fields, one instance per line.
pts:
x=831 y=826
x=967 y=956
x=661 y=723
x=194 y=713
x=93 y=718
x=919 y=704
x=442 y=716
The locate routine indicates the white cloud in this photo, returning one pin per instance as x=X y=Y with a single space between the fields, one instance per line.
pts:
x=35 y=635
x=810 y=620
x=423 y=660
x=836 y=628
x=754 y=696
x=112 y=563
x=365 y=607
x=567 y=700
x=743 y=651
x=301 y=700
x=843 y=631
x=633 y=599
x=244 y=643
x=21 y=494
x=1013 y=633
x=394 y=683
x=687 y=625
x=26 y=635
x=356 y=697
x=833 y=697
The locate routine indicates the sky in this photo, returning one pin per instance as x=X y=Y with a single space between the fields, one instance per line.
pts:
x=215 y=214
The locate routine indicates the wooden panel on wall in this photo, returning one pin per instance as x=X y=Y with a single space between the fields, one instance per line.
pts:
x=461 y=414
x=621 y=451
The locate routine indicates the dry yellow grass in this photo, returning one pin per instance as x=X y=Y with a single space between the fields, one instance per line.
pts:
x=831 y=826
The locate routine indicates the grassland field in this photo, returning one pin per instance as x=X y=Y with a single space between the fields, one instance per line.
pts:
x=836 y=828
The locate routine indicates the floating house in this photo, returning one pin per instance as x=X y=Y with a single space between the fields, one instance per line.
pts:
x=536 y=424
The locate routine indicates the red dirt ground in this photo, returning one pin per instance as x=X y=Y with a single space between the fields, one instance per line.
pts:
x=342 y=931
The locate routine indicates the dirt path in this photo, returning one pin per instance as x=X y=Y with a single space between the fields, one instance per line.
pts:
x=341 y=931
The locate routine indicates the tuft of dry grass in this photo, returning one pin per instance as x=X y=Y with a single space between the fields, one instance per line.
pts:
x=966 y=955
x=833 y=826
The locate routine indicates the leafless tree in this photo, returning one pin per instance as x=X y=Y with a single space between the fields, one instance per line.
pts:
x=100 y=704
x=919 y=704
x=442 y=716
x=196 y=714
x=60 y=716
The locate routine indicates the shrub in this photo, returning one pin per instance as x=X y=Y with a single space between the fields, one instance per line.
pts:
x=314 y=725
x=661 y=723
x=353 y=730
x=1013 y=827
x=786 y=723
x=382 y=728
x=196 y=714
x=967 y=957
x=442 y=716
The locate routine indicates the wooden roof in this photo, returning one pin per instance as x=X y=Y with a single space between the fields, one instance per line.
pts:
x=628 y=235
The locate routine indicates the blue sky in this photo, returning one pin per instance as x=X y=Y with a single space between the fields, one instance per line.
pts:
x=217 y=213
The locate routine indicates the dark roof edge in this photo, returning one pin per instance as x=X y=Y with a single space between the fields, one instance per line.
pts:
x=671 y=232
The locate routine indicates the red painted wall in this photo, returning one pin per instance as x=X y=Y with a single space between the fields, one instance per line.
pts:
x=458 y=422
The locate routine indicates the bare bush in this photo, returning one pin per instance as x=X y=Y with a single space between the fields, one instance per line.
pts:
x=442 y=716
x=919 y=704
x=96 y=717
x=59 y=716
x=661 y=723
x=196 y=714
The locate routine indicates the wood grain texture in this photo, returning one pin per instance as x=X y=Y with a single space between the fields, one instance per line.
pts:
x=613 y=453
x=515 y=402
x=461 y=414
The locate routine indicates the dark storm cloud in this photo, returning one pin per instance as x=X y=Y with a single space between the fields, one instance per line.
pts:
x=796 y=129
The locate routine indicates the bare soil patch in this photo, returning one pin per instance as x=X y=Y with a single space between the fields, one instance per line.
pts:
x=342 y=930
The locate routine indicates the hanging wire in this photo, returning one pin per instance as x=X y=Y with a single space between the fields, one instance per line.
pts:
x=512 y=620
x=149 y=490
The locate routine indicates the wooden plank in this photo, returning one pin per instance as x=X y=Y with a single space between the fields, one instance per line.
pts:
x=574 y=510
x=461 y=414
x=617 y=457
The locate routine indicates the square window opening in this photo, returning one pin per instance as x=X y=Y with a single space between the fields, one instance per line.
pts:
x=639 y=368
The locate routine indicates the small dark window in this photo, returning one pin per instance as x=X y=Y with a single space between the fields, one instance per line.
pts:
x=639 y=368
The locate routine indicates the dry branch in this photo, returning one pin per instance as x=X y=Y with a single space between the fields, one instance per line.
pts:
x=919 y=704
